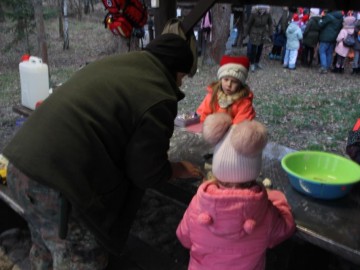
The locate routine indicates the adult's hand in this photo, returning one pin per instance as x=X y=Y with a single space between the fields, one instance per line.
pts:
x=186 y=169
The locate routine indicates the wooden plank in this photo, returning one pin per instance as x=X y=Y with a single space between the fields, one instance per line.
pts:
x=22 y=110
x=203 y=5
x=328 y=4
x=196 y=14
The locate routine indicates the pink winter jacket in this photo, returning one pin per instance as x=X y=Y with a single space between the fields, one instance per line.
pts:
x=340 y=49
x=228 y=229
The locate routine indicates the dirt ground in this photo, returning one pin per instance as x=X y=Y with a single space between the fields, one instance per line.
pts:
x=89 y=41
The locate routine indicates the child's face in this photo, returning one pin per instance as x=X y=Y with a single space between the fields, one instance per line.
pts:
x=230 y=85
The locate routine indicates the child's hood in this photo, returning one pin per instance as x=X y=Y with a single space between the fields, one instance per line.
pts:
x=292 y=28
x=231 y=213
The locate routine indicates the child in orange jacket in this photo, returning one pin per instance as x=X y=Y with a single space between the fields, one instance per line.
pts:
x=230 y=94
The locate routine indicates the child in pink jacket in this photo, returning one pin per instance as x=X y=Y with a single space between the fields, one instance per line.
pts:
x=341 y=50
x=233 y=220
x=229 y=94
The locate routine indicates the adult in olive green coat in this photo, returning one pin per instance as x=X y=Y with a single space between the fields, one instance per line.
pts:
x=93 y=147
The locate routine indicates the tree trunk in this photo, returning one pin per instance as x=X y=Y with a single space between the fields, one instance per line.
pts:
x=66 y=44
x=40 y=27
x=216 y=44
x=86 y=7
x=2 y=14
x=61 y=25
x=166 y=11
x=79 y=10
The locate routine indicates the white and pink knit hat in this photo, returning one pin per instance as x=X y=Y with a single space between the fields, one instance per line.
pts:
x=234 y=66
x=238 y=150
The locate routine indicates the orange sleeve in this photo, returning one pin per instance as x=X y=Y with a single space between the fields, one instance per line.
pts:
x=204 y=108
x=243 y=109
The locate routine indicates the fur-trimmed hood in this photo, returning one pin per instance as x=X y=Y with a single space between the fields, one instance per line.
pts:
x=258 y=8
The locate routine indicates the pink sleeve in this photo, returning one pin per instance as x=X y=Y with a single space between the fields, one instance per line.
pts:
x=183 y=232
x=342 y=34
x=284 y=224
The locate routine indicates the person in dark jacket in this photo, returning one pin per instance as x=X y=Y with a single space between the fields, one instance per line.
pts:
x=259 y=29
x=279 y=37
x=356 y=48
x=80 y=164
x=311 y=37
x=330 y=26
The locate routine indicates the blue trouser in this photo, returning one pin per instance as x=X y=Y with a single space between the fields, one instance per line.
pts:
x=326 y=50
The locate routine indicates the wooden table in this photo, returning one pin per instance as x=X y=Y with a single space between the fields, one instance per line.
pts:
x=333 y=225
x=22 y=110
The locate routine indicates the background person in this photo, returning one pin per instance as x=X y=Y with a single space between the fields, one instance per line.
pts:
x=259 y=28
x=341 y=50
x=80 y=164
x=293 y=37
x=356 y=61
x=311 y=37
x=279 y=37
x=330 y=26
x=233 y=220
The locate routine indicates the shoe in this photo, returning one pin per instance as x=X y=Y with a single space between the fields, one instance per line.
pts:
x=292 y=68
x=323 y=70
x=252 y=68
x=285 y=66
x=271 y=56
x=257 y=65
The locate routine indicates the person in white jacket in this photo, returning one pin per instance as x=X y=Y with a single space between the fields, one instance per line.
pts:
x=293 y=37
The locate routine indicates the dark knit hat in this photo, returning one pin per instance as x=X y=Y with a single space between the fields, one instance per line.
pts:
x=173 y=51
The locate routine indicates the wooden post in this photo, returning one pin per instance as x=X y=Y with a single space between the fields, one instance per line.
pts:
x=165 y=11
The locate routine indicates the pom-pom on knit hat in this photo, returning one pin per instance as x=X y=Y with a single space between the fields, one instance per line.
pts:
x=314 y=11
x=238 y=155
x=234 y=66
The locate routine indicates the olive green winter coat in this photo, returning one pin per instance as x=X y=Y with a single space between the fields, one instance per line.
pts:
x=101 y=137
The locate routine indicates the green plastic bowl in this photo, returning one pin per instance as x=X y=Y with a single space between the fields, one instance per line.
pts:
x=320 y=174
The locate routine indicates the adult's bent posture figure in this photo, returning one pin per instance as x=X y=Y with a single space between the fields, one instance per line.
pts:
x=80 y=164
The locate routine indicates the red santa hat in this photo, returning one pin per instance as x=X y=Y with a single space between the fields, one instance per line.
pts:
x=234 y=66
x=295 y=18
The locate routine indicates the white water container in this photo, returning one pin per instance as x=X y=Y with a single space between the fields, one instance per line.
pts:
x=34 y=80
